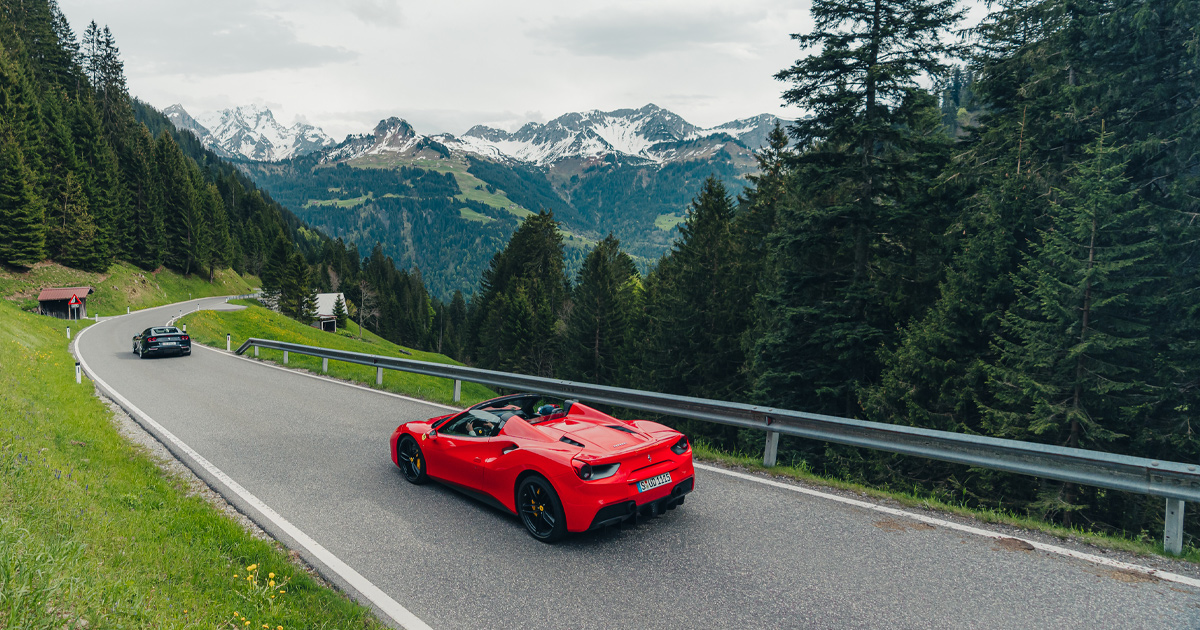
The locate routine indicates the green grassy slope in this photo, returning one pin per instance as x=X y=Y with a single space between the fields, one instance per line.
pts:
x=122 y=286
x=94 y=534
x=210 y=328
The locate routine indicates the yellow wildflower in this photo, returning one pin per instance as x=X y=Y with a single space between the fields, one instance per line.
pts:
x=270 y=575
x=271 y=583
x=252 y=567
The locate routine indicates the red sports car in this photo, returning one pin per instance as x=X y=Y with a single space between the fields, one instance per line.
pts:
x=562 y=466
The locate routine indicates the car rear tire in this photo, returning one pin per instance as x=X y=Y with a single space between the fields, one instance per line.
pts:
x=412 y=461
x=141 y=352
x=540 y=509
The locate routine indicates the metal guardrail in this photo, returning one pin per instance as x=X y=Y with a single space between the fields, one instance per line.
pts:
x=1176 y=482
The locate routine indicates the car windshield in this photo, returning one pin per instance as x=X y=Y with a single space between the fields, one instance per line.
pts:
x=532 y=408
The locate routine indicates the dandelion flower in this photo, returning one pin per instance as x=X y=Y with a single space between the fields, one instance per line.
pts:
x=270 y=575
x=271 y=583
x=252 y=567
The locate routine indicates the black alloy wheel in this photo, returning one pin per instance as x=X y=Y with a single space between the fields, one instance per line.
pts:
x=540 y=509
x=412 y=461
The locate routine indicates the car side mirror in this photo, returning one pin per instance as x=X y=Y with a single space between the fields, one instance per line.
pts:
x=432 y=434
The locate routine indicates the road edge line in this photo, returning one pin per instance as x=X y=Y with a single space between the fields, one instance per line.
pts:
x=364 y=587
x=1062 y=551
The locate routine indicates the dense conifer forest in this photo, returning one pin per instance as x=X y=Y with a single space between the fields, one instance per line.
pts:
x=1012 y=252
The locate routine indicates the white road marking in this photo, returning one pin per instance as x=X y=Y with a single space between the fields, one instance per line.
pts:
x=372 y=593
x=1070 y=553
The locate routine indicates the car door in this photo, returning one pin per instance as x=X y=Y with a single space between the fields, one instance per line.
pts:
x=455 y=455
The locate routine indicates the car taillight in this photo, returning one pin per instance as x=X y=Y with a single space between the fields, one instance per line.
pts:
x=587 y=472
x=186 y=338
x=680 y=447
x=152 y=339
x=584 y=471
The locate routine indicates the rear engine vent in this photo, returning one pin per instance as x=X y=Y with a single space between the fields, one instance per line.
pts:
x=620 y=428
x=570 y=441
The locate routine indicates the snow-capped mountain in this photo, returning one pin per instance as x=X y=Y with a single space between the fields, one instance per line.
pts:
x=250 y=132
x=651 y=133
x=391 y=136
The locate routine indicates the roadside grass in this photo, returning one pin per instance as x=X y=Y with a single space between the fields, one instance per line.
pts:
x=123 y=285
x=94 y=534
x=1140 y=546
x=210 y=328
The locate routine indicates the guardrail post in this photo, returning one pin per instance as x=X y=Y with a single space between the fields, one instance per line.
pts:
x=325 y=365
x=457 y=390
x=1173 y=530
x=256 y=351
x=771 y=452
x=228 y=342
x=285 y=357
x=379 y=376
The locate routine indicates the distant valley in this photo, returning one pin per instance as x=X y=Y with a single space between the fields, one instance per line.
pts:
x=446 y=203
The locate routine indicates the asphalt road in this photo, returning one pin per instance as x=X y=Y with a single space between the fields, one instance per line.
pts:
x=738 y=554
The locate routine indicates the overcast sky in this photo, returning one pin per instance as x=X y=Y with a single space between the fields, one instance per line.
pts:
x=445 y=66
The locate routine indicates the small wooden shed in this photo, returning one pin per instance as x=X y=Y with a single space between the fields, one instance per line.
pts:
x=57 y=302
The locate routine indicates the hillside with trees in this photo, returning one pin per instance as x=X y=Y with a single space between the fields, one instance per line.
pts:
x=90 y=175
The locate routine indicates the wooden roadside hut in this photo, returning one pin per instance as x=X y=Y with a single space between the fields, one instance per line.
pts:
x=57 y=302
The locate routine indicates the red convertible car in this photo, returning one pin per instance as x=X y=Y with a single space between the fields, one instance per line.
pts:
x=562 y=466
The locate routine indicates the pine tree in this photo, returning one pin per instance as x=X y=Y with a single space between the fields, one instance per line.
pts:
x=697 y=305
x=339 y=311
x=22 y=227
x=598 y=341
x=74 y=230
x=858 y=238
x=181 y=215
x=527 y=274
x=1071 y=367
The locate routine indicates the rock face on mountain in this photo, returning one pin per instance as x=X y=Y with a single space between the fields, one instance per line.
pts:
x=250 y=132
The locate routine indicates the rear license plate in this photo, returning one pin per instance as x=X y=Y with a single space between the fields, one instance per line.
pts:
x=654 y=482
x=167 y=343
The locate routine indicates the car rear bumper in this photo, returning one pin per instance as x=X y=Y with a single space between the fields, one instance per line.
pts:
x=168 y=350
x=627 y=511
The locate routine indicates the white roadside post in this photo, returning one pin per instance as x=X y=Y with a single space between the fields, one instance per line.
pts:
x=325 y=365
x=185 y=328
x=68 y=332
x=379 y=376
x=78 y=374
x=228 y=342
x=126 y=310
x=457 y=390
x=256 y=351
x=771 y=452
x=1173 y=529
x=285 y=357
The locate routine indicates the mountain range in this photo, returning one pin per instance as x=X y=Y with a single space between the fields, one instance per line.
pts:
x=446 y=203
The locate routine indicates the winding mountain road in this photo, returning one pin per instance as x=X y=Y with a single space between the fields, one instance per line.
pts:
x=740 y=553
